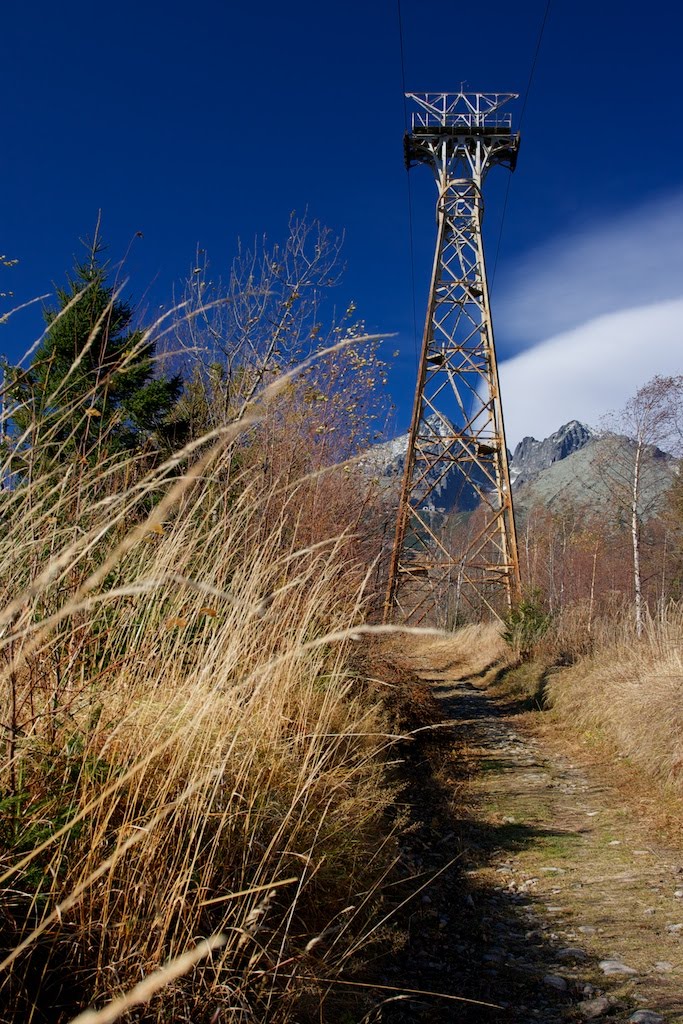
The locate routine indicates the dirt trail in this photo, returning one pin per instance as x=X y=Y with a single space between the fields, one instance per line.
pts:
x=570 y=911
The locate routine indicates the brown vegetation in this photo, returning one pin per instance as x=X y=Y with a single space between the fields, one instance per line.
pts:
x=630 y=692
x=191 y=749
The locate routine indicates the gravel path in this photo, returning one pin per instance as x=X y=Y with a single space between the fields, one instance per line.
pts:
x=575 y=912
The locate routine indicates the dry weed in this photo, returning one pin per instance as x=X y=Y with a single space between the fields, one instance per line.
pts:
x=630 y=691
x=469 y=651
x=188 y=749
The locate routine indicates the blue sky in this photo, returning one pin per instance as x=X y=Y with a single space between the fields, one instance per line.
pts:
x=196 y=126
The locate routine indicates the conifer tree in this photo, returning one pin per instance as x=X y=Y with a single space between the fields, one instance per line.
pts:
x=91 y=386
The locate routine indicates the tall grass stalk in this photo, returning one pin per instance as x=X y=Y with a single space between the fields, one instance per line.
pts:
x=630 y=690
x=188 y=746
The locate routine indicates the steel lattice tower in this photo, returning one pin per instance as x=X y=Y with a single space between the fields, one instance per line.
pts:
x=444 y=567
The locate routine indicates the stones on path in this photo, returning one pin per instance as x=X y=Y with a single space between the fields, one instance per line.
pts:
x=591 y=1009
x=572 y=953
x=549 y=799
x=555 y=981
x=495 y=955
x=615 y=967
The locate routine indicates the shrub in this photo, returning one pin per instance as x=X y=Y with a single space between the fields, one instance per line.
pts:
x=188 y=748
x=526 y=624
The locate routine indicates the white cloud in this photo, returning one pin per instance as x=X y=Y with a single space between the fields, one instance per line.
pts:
x=585 y=372
x=597 y=313
x=628 y=261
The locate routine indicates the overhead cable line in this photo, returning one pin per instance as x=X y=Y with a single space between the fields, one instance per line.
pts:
x=534 y=61
x=521 y=118
x=410 y=192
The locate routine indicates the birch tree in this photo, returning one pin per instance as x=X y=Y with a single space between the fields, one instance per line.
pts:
x=651 y=421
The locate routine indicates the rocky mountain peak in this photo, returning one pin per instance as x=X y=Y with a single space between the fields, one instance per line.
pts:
x=531 y=457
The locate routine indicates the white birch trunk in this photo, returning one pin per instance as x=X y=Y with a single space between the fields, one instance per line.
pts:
x=635 y=538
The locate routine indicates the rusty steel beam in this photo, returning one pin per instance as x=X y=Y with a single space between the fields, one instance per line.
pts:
x=449 y=563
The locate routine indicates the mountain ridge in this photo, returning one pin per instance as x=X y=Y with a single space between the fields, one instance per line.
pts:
x=565 y=468
x=529 y=458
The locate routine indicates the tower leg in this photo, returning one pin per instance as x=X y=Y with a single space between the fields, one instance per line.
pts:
x=455 y=551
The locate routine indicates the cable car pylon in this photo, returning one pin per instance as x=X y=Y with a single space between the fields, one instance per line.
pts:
x=455 y=550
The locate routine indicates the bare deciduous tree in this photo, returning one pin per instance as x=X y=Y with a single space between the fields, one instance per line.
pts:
x=652 y=422
x=266 y=317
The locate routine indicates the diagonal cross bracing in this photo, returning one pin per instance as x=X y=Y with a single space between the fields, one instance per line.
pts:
x=455 y=548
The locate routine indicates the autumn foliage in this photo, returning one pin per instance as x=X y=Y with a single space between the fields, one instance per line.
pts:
x=190 y=750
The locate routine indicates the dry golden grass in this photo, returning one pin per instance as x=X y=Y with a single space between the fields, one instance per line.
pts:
x=630 y=691
x=470 y=651
x=189 y=748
